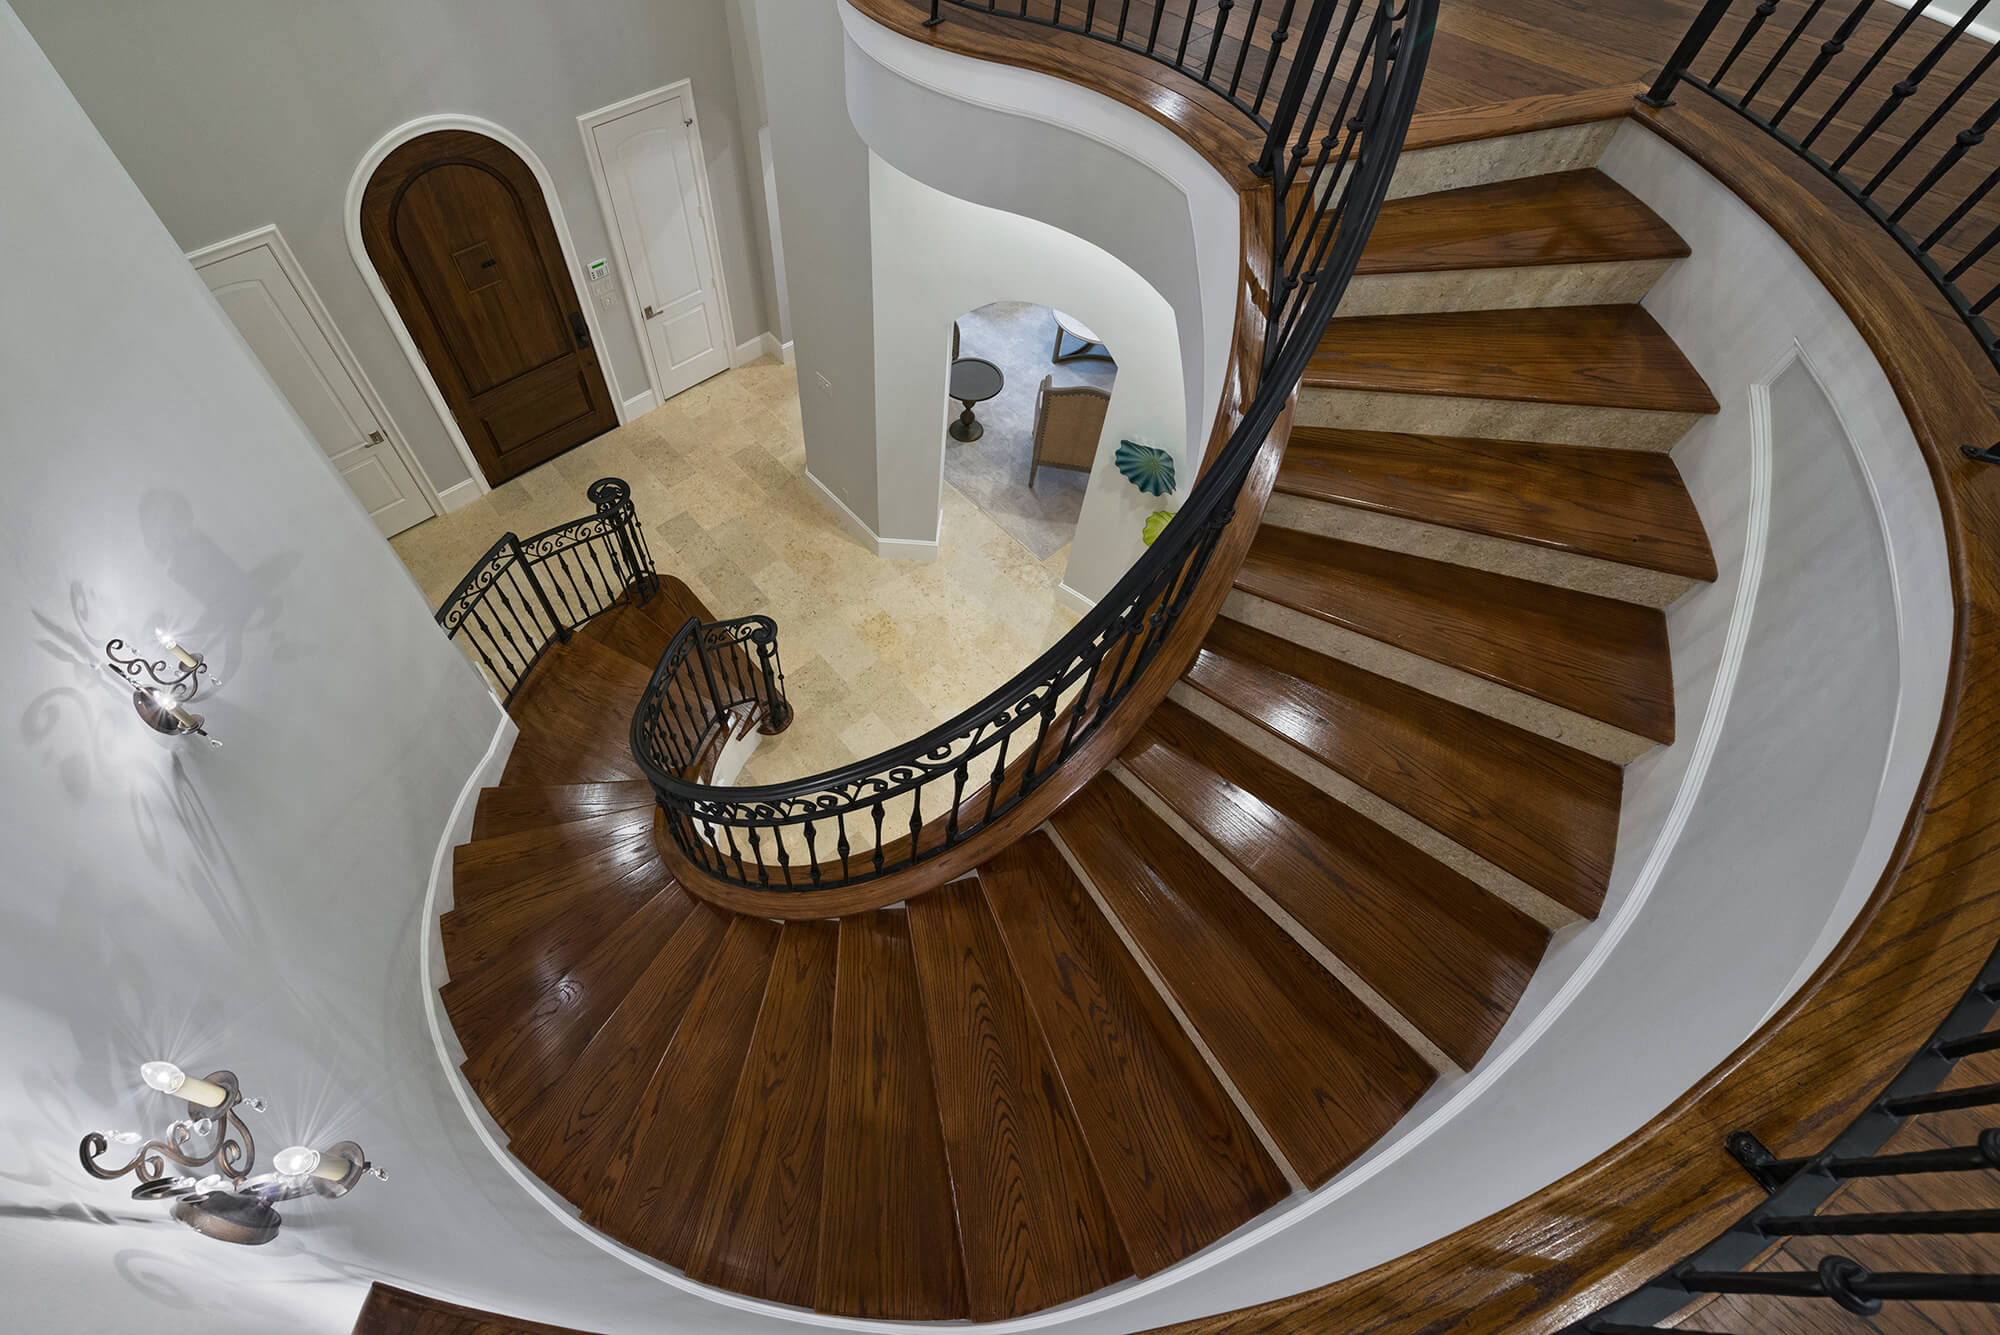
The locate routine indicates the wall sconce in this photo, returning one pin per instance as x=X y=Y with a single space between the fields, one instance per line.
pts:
x=161 y=692
x=230 y=1205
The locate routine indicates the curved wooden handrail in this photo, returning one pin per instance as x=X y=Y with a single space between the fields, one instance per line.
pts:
x=1104 y=745
x=1587 y=1239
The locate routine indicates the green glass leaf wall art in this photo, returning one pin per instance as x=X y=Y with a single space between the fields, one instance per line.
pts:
x=1146 y=467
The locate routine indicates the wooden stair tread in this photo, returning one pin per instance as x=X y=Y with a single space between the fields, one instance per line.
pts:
x=575 y=714
x=1628 y=506
x=1520 y=115
x=759 y=1224
x=1035 y=1228
x=1592 y=356
x=1446 y=954
x=576 y=1127
x=1574 y=217
x=1179 y=1165
x=650 y=1188
x=555 y=1022
x=528 y=807
x=1533 y=807
x=513 y=923
x=888 y=1242
x=1597 y=656
x=1324 y=1075
x=483 y=866
x=629 y=631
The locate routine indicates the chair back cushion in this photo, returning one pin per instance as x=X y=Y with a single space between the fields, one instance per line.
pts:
x=1068 y=422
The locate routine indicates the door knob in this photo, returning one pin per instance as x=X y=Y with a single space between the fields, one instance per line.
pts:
x=650 y=312
x=376 y=437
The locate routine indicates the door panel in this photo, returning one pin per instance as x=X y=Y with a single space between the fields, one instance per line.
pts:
x=653 y=177
x=458 y=229
x=266 y=306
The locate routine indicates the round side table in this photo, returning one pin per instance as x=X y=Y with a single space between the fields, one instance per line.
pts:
x=973 y=380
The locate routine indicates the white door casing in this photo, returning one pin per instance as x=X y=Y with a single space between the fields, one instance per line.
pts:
x=261 y=288
x=645 y=155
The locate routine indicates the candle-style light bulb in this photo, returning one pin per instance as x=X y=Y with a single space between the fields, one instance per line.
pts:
x=304 y=1161
x=120 y=1137
x=173 y=646
x=171 y=1079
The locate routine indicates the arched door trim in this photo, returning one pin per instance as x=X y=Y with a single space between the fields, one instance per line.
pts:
x=357 y=186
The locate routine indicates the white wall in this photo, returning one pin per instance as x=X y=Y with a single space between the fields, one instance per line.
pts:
x=231 y=116
x=258 y=906
x=937 y=257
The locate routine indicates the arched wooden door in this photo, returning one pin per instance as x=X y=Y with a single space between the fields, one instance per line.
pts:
x=457 y=227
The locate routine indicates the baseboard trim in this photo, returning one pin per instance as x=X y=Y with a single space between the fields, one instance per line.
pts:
x=1074 y=601
x=459 y=495
x=764 y=345
x=639 y=405
x=785 y=353
x=900 y=549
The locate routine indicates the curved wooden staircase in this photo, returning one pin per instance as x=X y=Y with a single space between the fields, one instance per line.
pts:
x=1321 y=875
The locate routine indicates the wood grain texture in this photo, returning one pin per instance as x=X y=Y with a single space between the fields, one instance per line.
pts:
x=1577 y=217
x=650 y=1191
x=888 y=1242
x=575 y=713
x=510 y=810
x=1323 y=1075
x=758 y=1231
x=1531 y=806
x=1035 y=1228
x=1441 y=950
x=486 y=865
x=1599 y=657
x=1628 y=506
x=1179 y=1165
x=554 y=1018
x=592 y=892
x=393 y=1311
x=578 y=1123
x=1438 y=122
x=1595 y=356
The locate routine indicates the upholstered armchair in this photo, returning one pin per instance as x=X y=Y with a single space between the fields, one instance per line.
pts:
x=1068 y=422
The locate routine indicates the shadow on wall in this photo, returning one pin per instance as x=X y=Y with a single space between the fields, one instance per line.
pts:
x=1024 y=342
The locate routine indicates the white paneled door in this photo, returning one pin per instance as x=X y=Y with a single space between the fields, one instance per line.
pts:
x=652 y=177
x=272 y=305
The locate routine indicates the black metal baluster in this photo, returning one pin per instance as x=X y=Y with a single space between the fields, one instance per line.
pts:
x=784 y=854
x=1828 y=49
x=527 y=572
x=1962 y=143
x=479 y=648
x=878 y=835
x=1243 y=49
x=1957 y=215
x=742 y=874
x=1900 y=1223
x=916 y=819
x=1222 y=9
x=1906 y=86
x=999 y=774
x=1187 y=30
x=1763 y=11
x=1946 y=1100
x=1279 y=36
x=1124 y=16
x=843 y=847
x=812 y=854
x=1153 y=30
x=757 y=854
x=957 y=796
x=1868 y=67
x=1698 y=33
x=1784 y=49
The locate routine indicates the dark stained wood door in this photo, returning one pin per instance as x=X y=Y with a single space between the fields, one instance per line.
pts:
x=458 y=229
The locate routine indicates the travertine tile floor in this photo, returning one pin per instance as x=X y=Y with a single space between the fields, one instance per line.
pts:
x=875 y=651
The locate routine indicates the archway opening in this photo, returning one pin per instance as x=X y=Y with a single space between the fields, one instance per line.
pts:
x=1022 y=450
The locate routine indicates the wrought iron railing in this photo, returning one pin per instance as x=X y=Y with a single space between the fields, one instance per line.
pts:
x=716 y=678
x=1797 y=1188
x=1897 y=120
x=528 y=593
x=910 y=804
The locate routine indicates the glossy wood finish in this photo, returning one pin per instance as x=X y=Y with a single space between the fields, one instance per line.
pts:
x=1033 y=1221
x=1323 y=1075
x=456 y=226
x=506 y=859
x=1602 y=658
x=651 y=1189
x=575 y=1127
x=1578 y=217
x=554 y=1016
x=1595 y=356
x=1179 y=1165
x=393 y=1311
x=1534 y=807
x=588 y=895
x=507 y=810
x=1441 y=950
x=1628 y=506
x=758 y=1230
x=1442 y=120
x=570 y=716
x=888 y=1241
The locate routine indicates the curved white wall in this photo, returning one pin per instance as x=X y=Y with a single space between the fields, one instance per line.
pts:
x=938 y=256
x=1043 y=149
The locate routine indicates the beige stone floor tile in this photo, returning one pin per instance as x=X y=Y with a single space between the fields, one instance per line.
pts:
x=876 y=651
